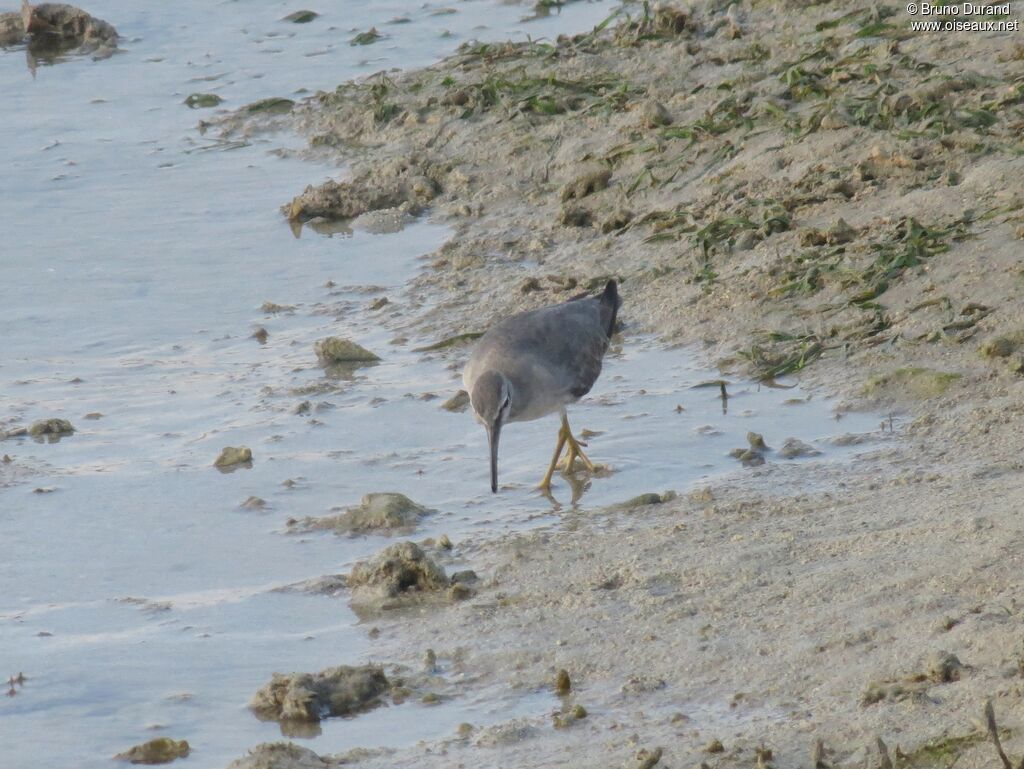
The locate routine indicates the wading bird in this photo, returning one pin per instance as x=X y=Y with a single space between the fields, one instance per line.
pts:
x=537 y=362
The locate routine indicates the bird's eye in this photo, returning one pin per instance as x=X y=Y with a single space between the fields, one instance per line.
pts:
x=505 y=405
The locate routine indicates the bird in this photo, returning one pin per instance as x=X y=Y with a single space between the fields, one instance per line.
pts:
x=537 y=362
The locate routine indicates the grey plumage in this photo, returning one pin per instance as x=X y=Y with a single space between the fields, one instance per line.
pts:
x=537 y=362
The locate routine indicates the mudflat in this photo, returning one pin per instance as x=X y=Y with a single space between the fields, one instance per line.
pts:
x=794 y=190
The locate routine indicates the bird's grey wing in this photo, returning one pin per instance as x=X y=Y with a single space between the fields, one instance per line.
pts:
x=569 y=341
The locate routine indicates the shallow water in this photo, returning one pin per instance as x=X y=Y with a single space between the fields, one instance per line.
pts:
x=135 y=261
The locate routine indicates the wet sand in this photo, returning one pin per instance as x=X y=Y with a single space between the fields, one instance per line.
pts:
x=814 y=192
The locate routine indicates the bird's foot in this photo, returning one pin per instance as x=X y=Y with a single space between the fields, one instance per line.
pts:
x=574 y=452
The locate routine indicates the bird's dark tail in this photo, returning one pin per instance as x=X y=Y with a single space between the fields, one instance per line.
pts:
x=610 y=304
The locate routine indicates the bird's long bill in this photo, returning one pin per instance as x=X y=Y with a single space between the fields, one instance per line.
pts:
x=493 y=433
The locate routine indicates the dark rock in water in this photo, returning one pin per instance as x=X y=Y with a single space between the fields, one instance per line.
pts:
x=366 y=38
x=202 y=100
x=66 y=22
x=458 y=402
x=50 y=429
x=334 y=349
x=55 y=28
x=338 y=691
x=231 y=456
x=301 y=17
x=749 y=457
x=12 y=28
x=162 y=750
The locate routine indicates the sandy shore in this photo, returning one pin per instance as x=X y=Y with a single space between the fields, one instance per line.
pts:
x=793 y=190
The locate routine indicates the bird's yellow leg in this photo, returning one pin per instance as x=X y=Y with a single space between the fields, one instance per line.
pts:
x=545 y=484
x=573 y=451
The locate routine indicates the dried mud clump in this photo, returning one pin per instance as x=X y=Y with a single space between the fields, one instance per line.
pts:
x=667 y=20
x=587 y=183
x=913 y=382
x=673 y=20
x=938 y=667
x=331 y=585
x=942 y=667
x=399 y=575
x=575 y=216
x=233 y=456
x=162 y=750
x=409 y=184
x=273 y=308
x=755 y=455
x=281 y=755
x=335 y=349
x=306 y=697
x=646 y=758
x=793 y=448
x=649 y=498
x=653 y=114
x=381 y=512
x=839 y=233
x=998 y=347
x=568 y=716
x=616 y=220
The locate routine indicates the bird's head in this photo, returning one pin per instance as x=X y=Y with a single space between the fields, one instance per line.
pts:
x=492 y=399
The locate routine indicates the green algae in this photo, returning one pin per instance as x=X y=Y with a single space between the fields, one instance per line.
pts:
x=275 y=105
x=451 y=341
x=366 y=38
